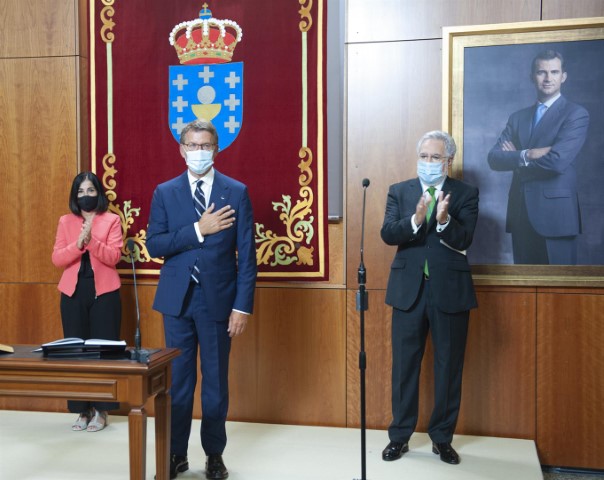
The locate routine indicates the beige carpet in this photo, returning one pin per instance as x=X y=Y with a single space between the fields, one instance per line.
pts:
x=41 y=446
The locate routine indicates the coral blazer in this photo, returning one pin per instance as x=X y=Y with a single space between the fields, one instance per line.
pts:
x=105 y=251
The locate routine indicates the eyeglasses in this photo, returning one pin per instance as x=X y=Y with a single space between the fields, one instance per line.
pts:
x=199 y=146
x=434 y=158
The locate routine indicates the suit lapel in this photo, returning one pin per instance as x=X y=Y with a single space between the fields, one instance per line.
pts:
x=220 y=191
x=184 y=199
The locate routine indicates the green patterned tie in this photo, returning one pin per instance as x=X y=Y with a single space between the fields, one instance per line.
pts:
x=431 y=191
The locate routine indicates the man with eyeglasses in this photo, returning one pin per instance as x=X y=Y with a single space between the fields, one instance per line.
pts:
x=541 y=145
x=201 y=223
x=431 y=221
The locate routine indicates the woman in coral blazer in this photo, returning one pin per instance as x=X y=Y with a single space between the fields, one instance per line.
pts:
x=88 y=246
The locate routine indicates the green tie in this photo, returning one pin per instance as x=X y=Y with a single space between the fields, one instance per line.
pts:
x=431 y=191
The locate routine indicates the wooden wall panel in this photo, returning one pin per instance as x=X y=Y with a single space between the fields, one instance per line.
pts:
x=394 y=97
x=498 y=393
x=289 y=367
x=392 y=20
x=570 y=387
x=37 y=28
x=378 y=349
x=499 y=376
x=37 y=162
x=554 y=9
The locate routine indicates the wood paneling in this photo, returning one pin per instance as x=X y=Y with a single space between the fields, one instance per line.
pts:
x=499 y=376
x=37 y=28
x=570 y=387
x=378 y=349
x=289 y=367
x=393 y=20
x=394 y=97
x=37 y=162
x=498 y=396
x=554 y=9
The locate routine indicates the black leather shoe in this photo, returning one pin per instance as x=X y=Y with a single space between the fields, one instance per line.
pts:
x=447 y=453
x=178 y=464
x=215 y=469
x=394 y=451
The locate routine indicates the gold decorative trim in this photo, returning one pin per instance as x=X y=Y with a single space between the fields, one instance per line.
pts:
x=106 y=16
x=306 y=22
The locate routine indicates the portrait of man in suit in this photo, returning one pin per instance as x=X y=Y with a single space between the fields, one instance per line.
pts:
x=499 y=97
x=540 y=145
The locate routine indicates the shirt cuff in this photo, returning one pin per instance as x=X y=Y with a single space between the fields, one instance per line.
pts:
x=240 y=311
x=414 y=225
x=441 y=226
x=523 y=161
x=197 y=232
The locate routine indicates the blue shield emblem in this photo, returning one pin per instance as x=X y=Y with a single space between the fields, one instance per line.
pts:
x=211 y=92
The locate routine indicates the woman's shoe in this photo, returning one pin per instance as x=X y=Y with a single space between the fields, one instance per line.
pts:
x=81 y=423
x=97 y=422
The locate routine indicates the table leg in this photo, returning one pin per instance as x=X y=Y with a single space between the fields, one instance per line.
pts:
x=137 y=435
x=162 y=435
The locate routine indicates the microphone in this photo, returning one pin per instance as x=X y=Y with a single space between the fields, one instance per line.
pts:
x=362 y=297
x=137 y=354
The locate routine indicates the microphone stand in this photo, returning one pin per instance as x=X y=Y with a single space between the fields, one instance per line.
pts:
x=138 y=354
x=361 y=306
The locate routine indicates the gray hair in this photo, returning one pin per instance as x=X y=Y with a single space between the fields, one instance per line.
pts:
x=450 y=147
x=199 y=126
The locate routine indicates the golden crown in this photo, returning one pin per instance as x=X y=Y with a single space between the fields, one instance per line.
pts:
x=205 y=39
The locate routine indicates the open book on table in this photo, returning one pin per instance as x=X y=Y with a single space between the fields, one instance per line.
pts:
x=90 y=342
x=78 y=346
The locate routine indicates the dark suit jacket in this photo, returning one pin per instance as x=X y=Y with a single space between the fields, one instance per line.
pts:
x=549 y=184
x=227 y=279
x=450 y=274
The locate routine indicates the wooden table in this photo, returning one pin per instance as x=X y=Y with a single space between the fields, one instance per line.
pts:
x=28 y=374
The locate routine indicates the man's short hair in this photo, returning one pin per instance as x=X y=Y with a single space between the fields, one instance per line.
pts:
x=450 y=147
x=199 y=126
x=547 y=55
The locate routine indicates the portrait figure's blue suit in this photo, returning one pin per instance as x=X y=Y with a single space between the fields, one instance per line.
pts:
x=227 y=264
x=543 y=194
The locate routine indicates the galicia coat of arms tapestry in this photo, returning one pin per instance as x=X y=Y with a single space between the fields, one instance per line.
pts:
x=256 y=70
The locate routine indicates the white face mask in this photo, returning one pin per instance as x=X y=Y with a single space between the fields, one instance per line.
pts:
x=199 y=161
x=431 y=173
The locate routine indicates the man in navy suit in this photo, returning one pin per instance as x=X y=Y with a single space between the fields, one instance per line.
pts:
x=431 y=221
x=201 y=223
x=541 y=145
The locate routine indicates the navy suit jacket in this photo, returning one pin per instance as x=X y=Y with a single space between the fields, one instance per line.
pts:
x=548 y=184
x=450 y=275
x=226 y=260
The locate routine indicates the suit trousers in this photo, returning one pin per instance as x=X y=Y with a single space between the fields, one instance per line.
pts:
x=193 y=329
x=409 y=333
x=530 y=248
x=84 y=315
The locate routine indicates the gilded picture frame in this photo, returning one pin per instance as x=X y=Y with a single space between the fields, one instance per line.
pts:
x=486 y=78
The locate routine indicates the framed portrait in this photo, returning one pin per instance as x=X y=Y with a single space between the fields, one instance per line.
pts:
x=541 y=181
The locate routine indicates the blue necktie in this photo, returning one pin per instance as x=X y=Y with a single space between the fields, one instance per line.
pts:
x=539 y=112
x=199 y=200
x=431 y=191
